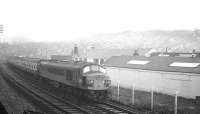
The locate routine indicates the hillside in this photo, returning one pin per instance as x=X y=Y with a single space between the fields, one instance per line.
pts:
x=177 y=40
x=123 y=42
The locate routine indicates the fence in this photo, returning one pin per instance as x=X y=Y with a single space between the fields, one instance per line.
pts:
x=153 y=100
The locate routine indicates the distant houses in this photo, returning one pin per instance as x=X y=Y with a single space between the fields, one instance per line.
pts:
x=99 y=55
x=103 y=54
x=174 y=54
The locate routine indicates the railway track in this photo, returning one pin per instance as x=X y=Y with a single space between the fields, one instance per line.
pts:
x=111 y=108
x=59 y=105
x=54 y=105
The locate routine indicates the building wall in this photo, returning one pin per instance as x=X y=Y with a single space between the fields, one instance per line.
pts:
x=187 y=85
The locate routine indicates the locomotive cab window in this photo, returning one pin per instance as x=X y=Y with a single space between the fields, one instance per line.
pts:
x=94 y=68
x=103 y=70
x=86 y=69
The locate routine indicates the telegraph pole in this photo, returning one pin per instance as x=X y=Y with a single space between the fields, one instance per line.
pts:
x=1 y=46
x=1 y=31
x=1 y=28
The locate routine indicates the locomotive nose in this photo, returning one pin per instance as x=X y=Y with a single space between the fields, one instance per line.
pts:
x=107 y=83
x=90 y=83
x=98 y=82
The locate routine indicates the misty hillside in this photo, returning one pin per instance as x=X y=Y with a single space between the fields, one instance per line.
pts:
x=177 y=40
x=127 y=42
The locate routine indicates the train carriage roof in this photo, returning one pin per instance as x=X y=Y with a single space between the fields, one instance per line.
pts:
x=31 y=59
x=25 y=58
x=67 y=64
x=60 y=64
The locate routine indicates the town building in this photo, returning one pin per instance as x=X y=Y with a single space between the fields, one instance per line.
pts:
x=165 y=74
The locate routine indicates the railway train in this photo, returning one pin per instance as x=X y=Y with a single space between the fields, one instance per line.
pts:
x=87 y=79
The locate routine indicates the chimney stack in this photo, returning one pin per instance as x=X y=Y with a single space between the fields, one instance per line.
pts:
x=166 y=50
x=75 y=55
x=193 y=53
x=135 y=53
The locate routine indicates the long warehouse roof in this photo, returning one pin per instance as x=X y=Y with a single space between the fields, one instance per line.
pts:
x=156 y=63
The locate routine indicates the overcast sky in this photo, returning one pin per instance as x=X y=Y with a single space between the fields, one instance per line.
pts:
x=58 y=20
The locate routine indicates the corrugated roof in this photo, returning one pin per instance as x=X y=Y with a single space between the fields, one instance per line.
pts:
x=156 y=63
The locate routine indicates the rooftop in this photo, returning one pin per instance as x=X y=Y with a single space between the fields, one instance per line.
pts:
x=156 y=63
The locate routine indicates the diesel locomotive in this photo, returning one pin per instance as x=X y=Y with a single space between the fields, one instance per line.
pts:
x=86 y=79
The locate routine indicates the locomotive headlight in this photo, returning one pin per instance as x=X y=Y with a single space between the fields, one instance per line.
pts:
x=91 y=81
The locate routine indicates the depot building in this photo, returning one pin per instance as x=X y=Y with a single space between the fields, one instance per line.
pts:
x=164 y=74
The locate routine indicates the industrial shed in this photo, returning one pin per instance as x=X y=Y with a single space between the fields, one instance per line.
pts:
x=167 y=75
